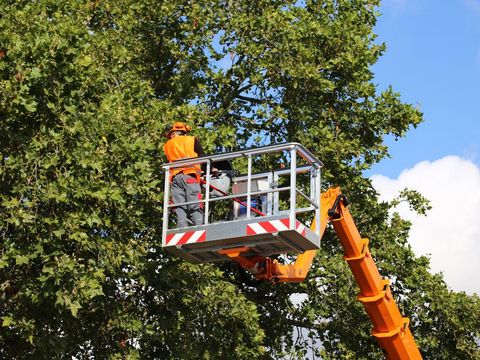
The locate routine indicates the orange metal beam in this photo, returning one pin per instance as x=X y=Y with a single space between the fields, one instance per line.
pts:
x=389 y=327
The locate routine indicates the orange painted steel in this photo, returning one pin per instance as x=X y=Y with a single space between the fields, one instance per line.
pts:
x=389 y=327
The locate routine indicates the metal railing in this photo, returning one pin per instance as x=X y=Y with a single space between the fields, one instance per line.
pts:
x=294 y=150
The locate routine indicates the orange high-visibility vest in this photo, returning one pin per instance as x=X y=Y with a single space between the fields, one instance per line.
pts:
x=182 y=147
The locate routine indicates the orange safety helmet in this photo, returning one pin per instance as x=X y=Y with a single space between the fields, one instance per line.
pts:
x=179 y=126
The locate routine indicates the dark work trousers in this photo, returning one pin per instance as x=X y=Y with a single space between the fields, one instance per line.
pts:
x=186 y=188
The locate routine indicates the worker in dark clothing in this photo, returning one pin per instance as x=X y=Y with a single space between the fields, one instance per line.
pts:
x=220 y=181
x=221 y=178
x=185 y=181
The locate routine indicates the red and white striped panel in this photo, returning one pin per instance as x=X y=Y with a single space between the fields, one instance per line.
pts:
x=186 y=237
x=273 y=226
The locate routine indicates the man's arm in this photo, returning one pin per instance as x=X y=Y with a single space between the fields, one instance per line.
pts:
x=197 y=147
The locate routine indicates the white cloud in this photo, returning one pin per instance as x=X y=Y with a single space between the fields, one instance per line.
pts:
x=450 y=232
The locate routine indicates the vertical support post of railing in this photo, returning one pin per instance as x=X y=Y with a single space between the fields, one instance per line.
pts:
x=206 y=208
x=318 y=197
x=270 y=196
x=275 y=200
x=293 y=187
x=249 y=185
x=166 y=198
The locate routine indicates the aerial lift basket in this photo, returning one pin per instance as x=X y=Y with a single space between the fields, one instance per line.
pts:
x=280 y=197
x=271 y=210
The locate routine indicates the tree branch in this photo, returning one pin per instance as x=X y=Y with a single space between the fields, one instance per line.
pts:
x=252 y=100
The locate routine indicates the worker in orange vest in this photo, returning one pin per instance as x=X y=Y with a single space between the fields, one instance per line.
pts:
x=185 y=181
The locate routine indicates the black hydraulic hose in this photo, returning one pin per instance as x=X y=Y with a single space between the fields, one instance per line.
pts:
x=333 y=210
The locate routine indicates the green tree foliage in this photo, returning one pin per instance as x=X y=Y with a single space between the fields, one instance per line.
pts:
x=86 y=90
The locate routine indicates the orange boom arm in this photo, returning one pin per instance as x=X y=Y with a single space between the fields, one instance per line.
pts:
x=389 y=327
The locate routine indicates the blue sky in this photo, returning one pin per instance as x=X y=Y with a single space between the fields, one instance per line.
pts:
x=433 y=61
